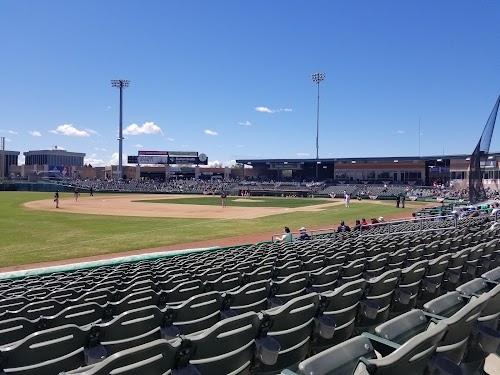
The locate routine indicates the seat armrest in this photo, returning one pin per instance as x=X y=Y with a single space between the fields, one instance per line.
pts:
x=381 y=345
x=434 y=317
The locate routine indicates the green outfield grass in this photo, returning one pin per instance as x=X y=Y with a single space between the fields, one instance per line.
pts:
x=28 y=236
x=245 y=202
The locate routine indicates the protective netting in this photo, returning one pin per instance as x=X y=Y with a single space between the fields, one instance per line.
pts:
x=476 y=187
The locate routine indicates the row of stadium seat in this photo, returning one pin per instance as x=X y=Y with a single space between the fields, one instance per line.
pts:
x=273 y=340
x=376 y=304
x=79 y=279
x=327 y=268
x=413 y=286
x=452 y=334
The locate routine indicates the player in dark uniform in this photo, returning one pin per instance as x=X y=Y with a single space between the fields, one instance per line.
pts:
x=56 y=199
x=76 y=194
x=91 y=191
x=223 y=197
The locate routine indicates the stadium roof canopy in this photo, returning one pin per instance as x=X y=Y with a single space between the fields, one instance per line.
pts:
x=362 y=159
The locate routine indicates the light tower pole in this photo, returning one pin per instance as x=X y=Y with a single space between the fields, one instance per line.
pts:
x=317 y=78
x=121 y=84
x=2 y=158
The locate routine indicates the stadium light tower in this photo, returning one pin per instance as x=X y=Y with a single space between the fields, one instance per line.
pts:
x=317 y=78
x=121 y=84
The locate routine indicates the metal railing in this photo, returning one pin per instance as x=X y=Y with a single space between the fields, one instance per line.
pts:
x=390 y=226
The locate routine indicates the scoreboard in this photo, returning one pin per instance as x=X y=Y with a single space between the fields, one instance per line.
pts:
x=168 y=157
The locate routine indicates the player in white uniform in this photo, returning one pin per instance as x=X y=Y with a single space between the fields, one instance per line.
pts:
x=347 y=199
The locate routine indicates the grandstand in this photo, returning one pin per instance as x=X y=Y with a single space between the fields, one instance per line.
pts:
x=324 y=306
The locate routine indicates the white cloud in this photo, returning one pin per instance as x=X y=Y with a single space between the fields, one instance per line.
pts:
x=210 y=132
x=146 y=128
x=170 y=139
x=13 y=132
x=70 y=131
x=35 y=133
x=100 y=149
x=221 y=163
x=114 y=159
x=138 y=145
x=264 y=109
x=90 y=131
x=8 y=140
x=245 y=123
x=93 y=160
x=400 y=132
x=303 y=154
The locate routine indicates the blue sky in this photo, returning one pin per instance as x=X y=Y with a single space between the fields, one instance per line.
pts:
x=199 y=69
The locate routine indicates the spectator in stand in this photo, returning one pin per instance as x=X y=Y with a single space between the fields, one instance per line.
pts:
x=343 y=227
x=374 y=221
x=357 y=226
x=303 y=235
x=496 y=208
x=475 y=212
x=287 y=236
x=364 y=224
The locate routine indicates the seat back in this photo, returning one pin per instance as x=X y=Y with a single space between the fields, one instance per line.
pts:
x=46 y=352
x=459 y=324
x=342 y=359
x=290 y=286
x=413 y=356
x=81 y=315
x=155 y=357
x=341 y=306
x=292 y=326
x=15 y=329
x=197 y=313
x=183 y=291
x=251 y=297
x=227 y=347
x=324 y=279
x=133 y=327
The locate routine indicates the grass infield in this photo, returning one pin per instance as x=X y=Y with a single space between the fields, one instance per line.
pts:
x=29 y=236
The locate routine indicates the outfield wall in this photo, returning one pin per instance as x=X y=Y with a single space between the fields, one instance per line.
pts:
x=33 y=186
